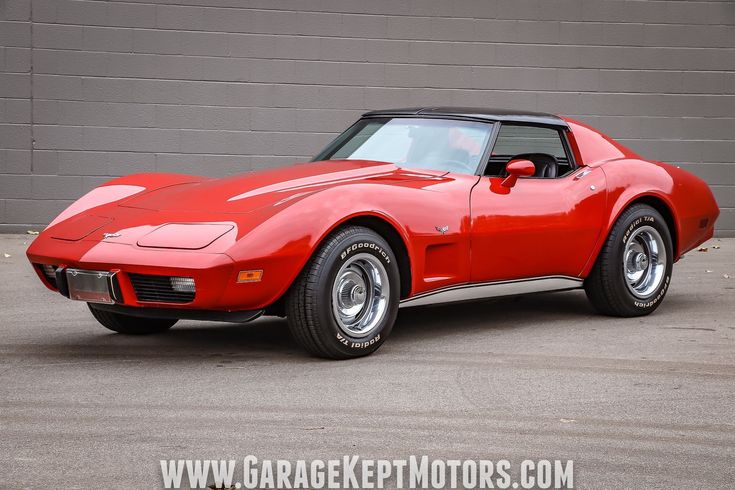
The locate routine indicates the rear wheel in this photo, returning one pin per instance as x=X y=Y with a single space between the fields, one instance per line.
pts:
x=633 y=270
x=130 y=325
x=345 y=301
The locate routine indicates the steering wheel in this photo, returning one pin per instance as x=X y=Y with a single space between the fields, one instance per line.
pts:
x=437 y=160
x=463 y=167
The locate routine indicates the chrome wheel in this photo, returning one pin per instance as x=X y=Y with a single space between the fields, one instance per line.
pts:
x=360 y=295
x=644 y=261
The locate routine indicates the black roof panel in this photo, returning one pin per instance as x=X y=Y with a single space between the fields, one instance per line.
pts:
x=502 y=115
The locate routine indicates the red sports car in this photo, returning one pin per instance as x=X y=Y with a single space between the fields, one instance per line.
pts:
x=406 y=207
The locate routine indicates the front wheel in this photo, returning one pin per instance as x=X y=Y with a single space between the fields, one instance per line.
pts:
x=633 y=270
x=345 y=301
x=130 y=325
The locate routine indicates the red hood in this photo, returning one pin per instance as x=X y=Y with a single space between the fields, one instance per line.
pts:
x=210 y=201
x=247 y=192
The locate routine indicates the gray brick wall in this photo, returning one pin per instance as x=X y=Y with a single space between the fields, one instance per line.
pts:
x=93 y=89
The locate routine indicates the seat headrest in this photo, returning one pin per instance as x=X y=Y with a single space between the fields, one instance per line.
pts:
x=546 y=165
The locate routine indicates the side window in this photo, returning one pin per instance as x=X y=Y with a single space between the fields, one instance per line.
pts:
x=542 y=145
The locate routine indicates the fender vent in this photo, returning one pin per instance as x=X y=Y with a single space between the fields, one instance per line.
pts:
x=163 y=289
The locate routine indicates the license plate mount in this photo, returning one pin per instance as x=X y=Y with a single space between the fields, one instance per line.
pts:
x=90 y=286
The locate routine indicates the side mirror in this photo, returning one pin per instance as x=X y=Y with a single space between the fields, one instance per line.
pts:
x=518 y=168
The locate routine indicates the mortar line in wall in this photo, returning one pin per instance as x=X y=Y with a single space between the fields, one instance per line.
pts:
x=407 y=63
x=398 y=39
x=363 y=109
x=252 y=82
x=414 y=15
x=33 y=136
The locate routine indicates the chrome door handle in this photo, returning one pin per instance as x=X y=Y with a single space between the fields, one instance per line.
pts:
x=582 y=173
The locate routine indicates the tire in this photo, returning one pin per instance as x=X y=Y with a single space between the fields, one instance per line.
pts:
x=130 y=325
x=330 y=309
x=630 y=277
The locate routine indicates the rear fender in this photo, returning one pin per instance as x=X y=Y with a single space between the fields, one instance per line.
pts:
x=687 y=198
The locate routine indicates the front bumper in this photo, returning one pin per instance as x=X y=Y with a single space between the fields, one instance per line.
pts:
x=183 y=314
x=214 y=274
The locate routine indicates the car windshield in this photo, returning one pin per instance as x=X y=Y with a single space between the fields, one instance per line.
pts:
x=421 y=143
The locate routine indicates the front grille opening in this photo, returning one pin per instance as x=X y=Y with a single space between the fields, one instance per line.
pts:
x=49 y=272
x=163 y=289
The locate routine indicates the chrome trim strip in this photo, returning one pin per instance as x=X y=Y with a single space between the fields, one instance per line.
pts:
x=465 y=292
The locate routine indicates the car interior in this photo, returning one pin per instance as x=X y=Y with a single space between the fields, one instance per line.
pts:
x=542 y=146
x=547 y=166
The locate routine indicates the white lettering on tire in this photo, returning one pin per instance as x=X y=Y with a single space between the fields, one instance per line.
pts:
x=356 y=246
x=628 y=231
x=655 y=300
x=357 y=345
x=634 y=225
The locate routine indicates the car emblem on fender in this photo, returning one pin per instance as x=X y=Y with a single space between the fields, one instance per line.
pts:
x=442 y=229
x=110 y=235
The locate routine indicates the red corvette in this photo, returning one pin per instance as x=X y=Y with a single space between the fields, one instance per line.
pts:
x=406 y=207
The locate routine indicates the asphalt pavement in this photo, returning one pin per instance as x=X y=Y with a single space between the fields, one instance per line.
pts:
x=636 y=403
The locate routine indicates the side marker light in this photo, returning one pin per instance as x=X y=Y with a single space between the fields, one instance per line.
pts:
x=249 y=276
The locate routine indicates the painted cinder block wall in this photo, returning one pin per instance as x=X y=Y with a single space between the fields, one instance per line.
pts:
x=94 y=89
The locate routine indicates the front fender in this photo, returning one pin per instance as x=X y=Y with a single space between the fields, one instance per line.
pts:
x=282 y=243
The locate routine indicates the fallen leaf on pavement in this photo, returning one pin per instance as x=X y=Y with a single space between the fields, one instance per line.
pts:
x=726 y=276
x=7 y=256
x=702 y=249
x=31 y=232
x=716 y=247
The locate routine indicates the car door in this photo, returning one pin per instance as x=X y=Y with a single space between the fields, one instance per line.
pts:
x=541 y=226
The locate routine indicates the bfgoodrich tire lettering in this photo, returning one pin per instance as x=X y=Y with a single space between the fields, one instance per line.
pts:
x=633 y=270
x=345 y=301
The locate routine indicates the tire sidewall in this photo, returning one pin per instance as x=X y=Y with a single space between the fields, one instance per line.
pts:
x=638 y=218
x=358 y=243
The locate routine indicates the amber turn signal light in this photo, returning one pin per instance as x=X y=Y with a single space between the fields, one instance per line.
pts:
x=250 y=276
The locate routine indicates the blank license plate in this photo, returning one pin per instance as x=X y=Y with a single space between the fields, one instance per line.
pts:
x=90 y=286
